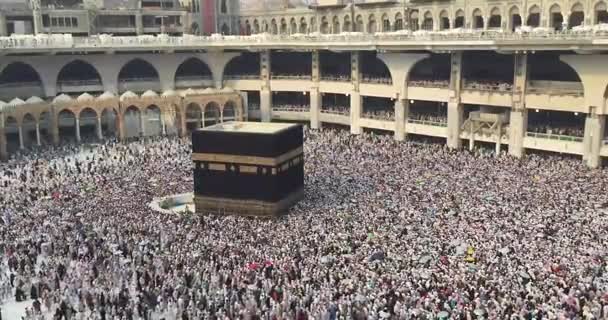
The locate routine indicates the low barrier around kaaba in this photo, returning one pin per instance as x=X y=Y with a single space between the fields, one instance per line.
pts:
x=248 y=168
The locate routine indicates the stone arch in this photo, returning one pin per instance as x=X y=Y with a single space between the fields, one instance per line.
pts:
x=398 y=24
x=212 y=113
x=247 y=27
x=246 y=64
x=556 y=19
x=324 y=25
x=478 y=21
x=78 y=71
x=11 y=131
x=386 y=23
x=256 y=26
x=293 y=26
x=230 y=112
x=459 y=19
x=374 y=68
x=132 y=122
x=335 y=25
x=346 y=25
x=550 y=68
x=514 y=18
x=17 y=75
x=577 y=15
x=28 y=128
x=153 y=121
x=495 y=20
x=135 y=72
x=193 y=116
x=225 y=30
x=87 y=121
x=44 y=125
x=359 y=24
x=109 y=122
x=601 y=13
x=414 y=20
x=432 y=71
x=303 y=25
x=427 y=21
x=192 y=69
x=372 y=25
x=66 y=124
x=313 y=24
x=274 y=28
x=283 y=27
x=533 y=17
x=444 y=20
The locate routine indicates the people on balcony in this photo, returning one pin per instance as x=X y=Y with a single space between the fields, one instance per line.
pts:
x=488 y=85
x=291 y=107
x=436 y=118
x=387 y=115
x=376 y=79
x=429 y=83
x=557 y=129
x=335 y=109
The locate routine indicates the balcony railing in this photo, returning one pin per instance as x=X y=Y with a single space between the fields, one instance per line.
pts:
x=555 y=91
x=20 y=84
x=414 y=39
x=492 y=87
x=291 y=108
x=554 y=137
x=76 y=83
x=290 y=77
x=428 y=123
x=340 y=112
x=429 y=83
x=143 y=79
x=242 y=77
x=194 y=78
x=335 y=78
x=386 y=81
x=384 y=116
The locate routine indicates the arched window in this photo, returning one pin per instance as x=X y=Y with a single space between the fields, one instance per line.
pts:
x=577 y=16
x=533 y=17
x=477 y=19
x=459 y=21
x=601 y=13
x=515 y=18
x=444 y=20
x=223 y=8
x=557 y=19
x=495 y=19
x=427 y=23
x=398 y=22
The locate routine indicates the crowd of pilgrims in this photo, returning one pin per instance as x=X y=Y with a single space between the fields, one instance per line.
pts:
x=387 y=229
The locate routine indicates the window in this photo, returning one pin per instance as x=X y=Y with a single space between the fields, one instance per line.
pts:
x=61 y=22
x=223 y=8
x=54 y=21
x=68 y=22
x=74 y=22
x=46 y=21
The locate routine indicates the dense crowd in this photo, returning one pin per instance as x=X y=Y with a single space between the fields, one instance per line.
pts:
x=387 y=229
x=291 y=107
x=379 y=114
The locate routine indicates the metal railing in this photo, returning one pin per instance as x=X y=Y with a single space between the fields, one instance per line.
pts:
x=429 y=83
x=551 y=136
x=290 y=77
x=242 y=77
x=291 y=109
x=386 y=81
x=20 y=84
x=336 y=112
x=194 y=78
x=428 y=123
x=480 y=86
x=336 y=78
x=84 y=82
x=555 y=91
x=145 y=79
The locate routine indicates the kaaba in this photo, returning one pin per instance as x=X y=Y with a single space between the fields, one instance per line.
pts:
x=248 y=168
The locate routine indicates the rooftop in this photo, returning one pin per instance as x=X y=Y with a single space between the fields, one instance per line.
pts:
x=250 y=127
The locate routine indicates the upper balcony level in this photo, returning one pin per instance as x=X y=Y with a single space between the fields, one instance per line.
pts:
x=580 y=41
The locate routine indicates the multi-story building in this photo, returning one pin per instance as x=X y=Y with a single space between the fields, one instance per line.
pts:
x=523 y=76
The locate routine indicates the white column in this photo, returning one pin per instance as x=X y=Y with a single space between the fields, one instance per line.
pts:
x=21 y=146
x=455 y=114
x=315 y=108
x=594 y=134
x=38 y=134
x=77 y=129
x=142 y=123
x=402 y=107
x=355 y=112
x=518 y=125
x=266 y=104
x=3 y=151
x=98 y=127
x=163 y=125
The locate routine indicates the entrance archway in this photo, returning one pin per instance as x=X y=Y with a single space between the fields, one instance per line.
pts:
x=88 y=124
x=153 y=125
x=212 y=114
x=194 y=117
x=132 y=122
x=229 y=112
x=66 y=123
